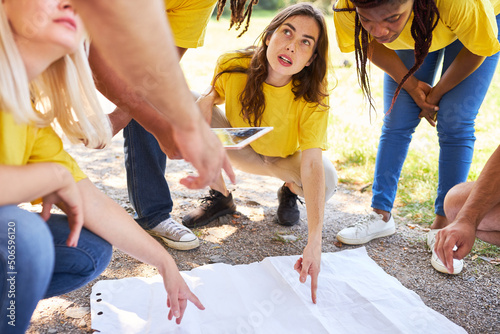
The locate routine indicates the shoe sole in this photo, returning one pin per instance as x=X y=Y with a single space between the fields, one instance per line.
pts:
x=287 y=223
x=364 y=240
x=208 y=221
x=179 y=245
x=439 y=266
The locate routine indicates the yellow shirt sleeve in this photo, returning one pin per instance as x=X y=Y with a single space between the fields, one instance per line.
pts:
x=473 y=22
x=344 y=26
x=48 y=147
x=21 y=144
x=188 y=20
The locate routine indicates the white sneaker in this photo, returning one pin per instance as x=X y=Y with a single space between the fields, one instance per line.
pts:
x=175 y=235
x=458 y=265
x=367 y=228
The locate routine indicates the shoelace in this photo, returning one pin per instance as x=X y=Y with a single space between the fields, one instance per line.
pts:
x=207 y=200
x=176 y=229
x=292 y=199
x=363 y=223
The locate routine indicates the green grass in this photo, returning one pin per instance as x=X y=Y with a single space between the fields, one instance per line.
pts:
x=353 y=134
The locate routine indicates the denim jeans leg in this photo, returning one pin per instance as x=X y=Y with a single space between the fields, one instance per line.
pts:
x=456 y=121
x=75 y=266
x=145 y=164
x=25 y=268
x=397 y=130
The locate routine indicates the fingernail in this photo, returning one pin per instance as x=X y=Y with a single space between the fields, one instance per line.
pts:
x=177 y=314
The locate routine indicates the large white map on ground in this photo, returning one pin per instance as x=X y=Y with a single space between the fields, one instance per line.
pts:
x=355 y=295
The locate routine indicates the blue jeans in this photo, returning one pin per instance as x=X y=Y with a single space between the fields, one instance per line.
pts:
x=35 y=263
x=455 y=126
x=147 y=187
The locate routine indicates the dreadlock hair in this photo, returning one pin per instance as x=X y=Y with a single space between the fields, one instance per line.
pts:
x=238 y=13
x=310 y=83
x=426 y=17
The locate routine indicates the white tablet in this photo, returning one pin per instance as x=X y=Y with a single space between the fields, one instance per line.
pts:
x=236 y=138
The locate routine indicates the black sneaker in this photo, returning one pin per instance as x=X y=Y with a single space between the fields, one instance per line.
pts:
x=212 y=206
x=288 y=211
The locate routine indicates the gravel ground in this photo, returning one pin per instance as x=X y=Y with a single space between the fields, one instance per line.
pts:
x=471 y=299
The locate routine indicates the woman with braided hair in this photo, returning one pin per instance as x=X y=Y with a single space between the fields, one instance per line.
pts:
x=409 y=40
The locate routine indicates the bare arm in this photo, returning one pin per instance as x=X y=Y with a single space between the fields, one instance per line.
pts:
x=49 y=181
x=206 y=102
x=462 y=66
x=427 y=98
x=30 y=182
x=117 y=91
x=107 y=219
x=313 y=182
x=388 y=61
x=136 y=41
x=483 y=197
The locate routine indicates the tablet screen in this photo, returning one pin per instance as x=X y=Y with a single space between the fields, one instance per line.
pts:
x=236 y=138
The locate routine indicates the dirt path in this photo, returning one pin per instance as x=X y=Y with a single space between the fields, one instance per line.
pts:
x=471 y=299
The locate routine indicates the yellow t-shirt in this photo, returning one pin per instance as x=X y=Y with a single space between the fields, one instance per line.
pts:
x=473 y=22
x=188 y=20
x=21 y=144
x=298 y=124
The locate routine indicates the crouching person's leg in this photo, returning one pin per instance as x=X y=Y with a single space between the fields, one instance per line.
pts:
x=26 y=265
x=75 y=266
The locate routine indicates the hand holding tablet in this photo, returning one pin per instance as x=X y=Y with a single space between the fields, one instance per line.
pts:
x=237 y=138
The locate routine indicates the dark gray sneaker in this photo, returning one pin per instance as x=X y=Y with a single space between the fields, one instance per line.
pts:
x=288 y=212
x=212 y=206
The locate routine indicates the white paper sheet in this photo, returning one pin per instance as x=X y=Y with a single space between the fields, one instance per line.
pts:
x=355 y=296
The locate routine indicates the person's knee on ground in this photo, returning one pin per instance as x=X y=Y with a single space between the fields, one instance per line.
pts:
x=27 y=265
x=455 y=200
x=331 y=178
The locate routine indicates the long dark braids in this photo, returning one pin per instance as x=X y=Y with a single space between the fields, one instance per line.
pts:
x=426 y=17
x=310 y=83
x=238 y=12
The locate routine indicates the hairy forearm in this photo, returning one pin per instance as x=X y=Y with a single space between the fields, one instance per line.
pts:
x=313 y=183
x=464 y=64
x=136 y=41
x=30 y=182
x=484 y=195
x=118 y=91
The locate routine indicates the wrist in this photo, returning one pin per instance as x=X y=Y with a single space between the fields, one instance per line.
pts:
x=190 y=126
x=467 y=220
x=411 y=84
x=436 y=94
x=314 y=240
x=166 y=265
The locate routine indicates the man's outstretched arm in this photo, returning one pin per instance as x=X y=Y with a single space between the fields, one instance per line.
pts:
x=135 y=39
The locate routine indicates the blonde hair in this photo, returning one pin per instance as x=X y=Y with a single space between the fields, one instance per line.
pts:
x=64 y=94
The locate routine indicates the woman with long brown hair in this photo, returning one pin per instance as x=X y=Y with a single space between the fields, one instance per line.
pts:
x=410 y=40
x=280 y=83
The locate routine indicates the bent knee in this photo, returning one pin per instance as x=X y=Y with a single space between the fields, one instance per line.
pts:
x=455 y=199
x=331 y=178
